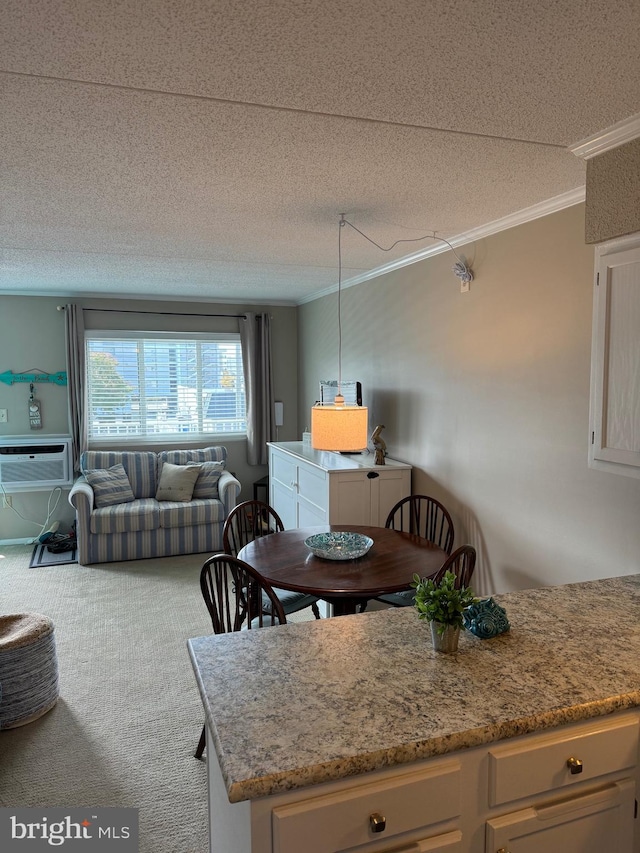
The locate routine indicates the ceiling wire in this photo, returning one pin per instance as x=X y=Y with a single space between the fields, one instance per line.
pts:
x=340 y=227
x=461 y=269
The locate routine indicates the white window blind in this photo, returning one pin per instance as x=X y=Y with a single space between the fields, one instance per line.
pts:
x=155 y=385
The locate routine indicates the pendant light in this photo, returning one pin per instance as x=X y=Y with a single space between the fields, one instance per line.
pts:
x=337 y=426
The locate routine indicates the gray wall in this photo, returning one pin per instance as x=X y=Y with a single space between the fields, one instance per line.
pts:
x=32 y=337
x=32 y=341
x=486 y=394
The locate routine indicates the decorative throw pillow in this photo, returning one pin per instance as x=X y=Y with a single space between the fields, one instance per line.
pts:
x=207 y=482
x=110 y=485
x=177 y=482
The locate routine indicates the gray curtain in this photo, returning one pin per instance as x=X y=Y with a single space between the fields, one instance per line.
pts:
x=74 y=329
x=255 y=339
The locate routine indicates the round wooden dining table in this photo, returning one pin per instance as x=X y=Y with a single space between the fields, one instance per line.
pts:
x=285 y=561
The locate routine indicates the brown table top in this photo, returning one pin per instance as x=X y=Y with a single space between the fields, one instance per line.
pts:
x=285 y=561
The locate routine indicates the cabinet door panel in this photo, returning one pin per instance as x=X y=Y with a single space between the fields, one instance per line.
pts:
x=349 y=498
x=283 y=500
x=615 y=392
x=594 y=823
x=284 y=470
x=389 y=488
x=309 y=514
x=312 y=485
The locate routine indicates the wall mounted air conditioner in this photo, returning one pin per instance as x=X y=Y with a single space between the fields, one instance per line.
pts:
x=30 y=464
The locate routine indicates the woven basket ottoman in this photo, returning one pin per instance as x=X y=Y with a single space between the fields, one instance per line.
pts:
x=28 y=668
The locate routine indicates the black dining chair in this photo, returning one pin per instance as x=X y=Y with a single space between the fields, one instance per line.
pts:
x=427 y=517
x=462 y=563
x=248 y=521
x=222 y=577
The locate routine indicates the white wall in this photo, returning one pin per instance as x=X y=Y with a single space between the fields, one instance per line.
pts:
x=486 y=394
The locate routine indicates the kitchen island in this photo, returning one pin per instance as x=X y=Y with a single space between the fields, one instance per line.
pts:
x=353 y=734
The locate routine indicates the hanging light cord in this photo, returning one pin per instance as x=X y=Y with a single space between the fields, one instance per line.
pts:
x=460 y=269
x=340 y=227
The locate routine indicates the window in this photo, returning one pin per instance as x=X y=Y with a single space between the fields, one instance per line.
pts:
x=155 y=385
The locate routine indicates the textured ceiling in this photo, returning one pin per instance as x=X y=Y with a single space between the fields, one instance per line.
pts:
x=204 y=149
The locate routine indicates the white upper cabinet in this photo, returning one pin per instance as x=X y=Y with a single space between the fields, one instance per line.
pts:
x=614 y=437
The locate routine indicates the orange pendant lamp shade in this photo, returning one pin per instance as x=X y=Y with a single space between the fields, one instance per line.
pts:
x=339 y=428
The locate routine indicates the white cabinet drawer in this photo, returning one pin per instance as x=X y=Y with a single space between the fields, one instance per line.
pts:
x=593 y=823
x=541 y=762
x=342 y=820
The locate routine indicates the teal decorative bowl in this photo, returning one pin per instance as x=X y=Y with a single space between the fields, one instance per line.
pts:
x=339 y=545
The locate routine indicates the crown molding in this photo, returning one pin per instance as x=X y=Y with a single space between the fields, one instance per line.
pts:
x=520 y=217
x=82 y=295
x=605 y=140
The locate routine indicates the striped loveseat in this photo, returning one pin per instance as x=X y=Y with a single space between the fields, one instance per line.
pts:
x=122 y=523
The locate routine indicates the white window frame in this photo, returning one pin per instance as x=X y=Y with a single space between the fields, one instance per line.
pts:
x=126 y=432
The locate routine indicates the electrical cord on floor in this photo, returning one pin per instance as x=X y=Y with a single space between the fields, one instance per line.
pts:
x=50 y=510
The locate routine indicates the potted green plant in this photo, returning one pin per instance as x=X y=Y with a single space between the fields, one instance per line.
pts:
x=442 y=605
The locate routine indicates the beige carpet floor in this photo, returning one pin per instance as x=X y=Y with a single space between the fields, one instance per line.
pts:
x=129 y=715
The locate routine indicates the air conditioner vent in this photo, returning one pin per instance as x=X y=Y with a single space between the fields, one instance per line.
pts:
x=28 y=464
x=31 y=448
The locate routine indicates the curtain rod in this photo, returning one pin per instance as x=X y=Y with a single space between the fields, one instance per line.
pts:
x=162 y=313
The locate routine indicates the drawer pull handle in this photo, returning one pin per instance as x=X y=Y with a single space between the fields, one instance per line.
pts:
x=378 y=822
x=502 y=850
x=574 y=765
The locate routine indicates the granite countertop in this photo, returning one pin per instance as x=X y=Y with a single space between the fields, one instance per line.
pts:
x=306 y=703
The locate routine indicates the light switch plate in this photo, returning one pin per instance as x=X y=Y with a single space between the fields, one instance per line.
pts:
x=3 y=416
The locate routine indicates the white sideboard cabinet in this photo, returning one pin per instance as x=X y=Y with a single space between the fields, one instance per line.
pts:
x=614 y=437
x=310 y=487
